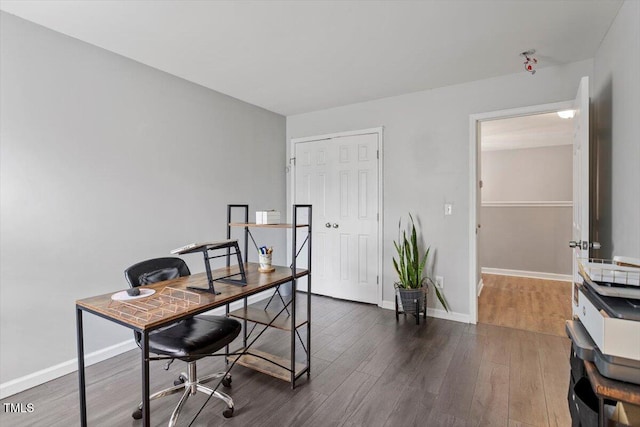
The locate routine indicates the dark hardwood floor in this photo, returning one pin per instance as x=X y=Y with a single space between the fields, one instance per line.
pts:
x=367 y=370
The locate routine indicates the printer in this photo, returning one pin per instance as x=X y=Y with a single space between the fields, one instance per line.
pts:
x=606 y=317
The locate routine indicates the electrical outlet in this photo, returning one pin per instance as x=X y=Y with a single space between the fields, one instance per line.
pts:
x=448 y=209
x=440 y=282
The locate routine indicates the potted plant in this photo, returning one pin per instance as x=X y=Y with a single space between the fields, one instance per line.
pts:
x=413 y=282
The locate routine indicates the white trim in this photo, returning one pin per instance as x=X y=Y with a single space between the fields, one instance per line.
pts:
x=17 y=385
x=434 y=312
x=530 y=274
x=474 y=147
x=37 y=378
x=528 y=204
x=337 y=135
x=448 y=315
x=480 y=286
x=388 y=305
x=380 y=132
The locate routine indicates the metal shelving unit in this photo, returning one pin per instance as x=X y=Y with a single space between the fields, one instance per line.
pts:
x=292 y=317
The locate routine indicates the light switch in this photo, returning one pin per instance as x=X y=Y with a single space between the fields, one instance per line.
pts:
x=448 y=209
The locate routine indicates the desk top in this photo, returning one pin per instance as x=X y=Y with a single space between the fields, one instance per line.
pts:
x=612 y=389
x=103 y=305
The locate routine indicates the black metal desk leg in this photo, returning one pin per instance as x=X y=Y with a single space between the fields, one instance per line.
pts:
x=81 y=380
x=144 y=342
x=601 y=416
x=293 y=331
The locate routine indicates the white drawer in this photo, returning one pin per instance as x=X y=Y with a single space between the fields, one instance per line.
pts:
x=614 y=337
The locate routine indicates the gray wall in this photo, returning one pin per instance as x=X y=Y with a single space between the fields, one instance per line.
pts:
x=541 y=174
x=426 y=157
x=616 y=107
x=518 y=233
x=105 y=162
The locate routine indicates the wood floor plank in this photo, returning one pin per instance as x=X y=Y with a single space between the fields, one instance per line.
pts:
x=554 y=365
x=379 y=402
x=412 y=408
x=447 y=420
x=438 y=355
x=343 y=402
x=456 y=393
x=527 y=401
x=531 y=304
x=490 y=406
x=297 y=410
x=497 y=346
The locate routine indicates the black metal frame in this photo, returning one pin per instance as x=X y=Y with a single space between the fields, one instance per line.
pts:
x=207 y=264
x=420 y=307
x=294 y=282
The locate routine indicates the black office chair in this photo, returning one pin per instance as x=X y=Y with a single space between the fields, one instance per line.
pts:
x=188 y=340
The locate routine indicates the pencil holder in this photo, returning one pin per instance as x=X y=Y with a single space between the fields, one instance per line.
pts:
x=265 y=263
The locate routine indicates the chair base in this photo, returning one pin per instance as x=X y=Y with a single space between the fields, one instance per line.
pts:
x=192 y=384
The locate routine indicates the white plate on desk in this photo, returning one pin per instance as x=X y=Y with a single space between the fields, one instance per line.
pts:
x=124 y=296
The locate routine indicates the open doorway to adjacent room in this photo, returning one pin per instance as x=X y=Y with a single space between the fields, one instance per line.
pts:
x=525 y=213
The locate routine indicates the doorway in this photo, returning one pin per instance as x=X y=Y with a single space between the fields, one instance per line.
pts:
x=340 y=176
x=526 y=167
x=476 y=124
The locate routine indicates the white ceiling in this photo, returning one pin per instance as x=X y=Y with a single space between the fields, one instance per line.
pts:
x=294 y=57
x=538 y=130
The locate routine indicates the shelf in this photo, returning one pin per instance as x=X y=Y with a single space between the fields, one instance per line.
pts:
x=283 y=368
x=264 y=317
x=254 y=225
x=266 y=367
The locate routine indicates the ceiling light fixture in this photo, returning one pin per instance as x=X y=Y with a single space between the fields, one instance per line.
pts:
x=566 y=114
x=530 y=61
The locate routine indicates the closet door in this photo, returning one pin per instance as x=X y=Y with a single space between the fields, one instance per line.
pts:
x=339 y=177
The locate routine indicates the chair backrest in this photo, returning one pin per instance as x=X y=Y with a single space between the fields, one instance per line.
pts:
x=155 y=270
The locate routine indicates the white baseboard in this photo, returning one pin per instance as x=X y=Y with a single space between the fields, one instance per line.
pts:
x=388 y=305
x=9 y=388
x=434 y=312
x=17 y=385
x=530 y=274
x=479 y=287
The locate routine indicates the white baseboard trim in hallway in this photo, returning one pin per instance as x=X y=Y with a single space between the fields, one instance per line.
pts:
x=530 y=274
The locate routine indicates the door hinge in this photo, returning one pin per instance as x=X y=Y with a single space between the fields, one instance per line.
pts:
x=480 y=183
x=292 y=161
x=377 y=280
x=377 y=154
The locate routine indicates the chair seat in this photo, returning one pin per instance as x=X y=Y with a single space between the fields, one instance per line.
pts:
x=194 y=338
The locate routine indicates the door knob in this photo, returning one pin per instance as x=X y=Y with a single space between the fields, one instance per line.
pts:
x=335 y=225
x=584 y=245
x=328 y=225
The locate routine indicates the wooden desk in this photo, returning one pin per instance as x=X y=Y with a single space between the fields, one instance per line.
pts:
x=102 y=306
x=606 y=388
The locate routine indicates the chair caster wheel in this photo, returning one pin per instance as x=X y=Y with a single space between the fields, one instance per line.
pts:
x=226 y=381
x=181 y=380
x=228 y=413
x=137 y=414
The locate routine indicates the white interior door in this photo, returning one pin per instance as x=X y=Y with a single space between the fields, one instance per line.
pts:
x=339 y=177
x=580 y=242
